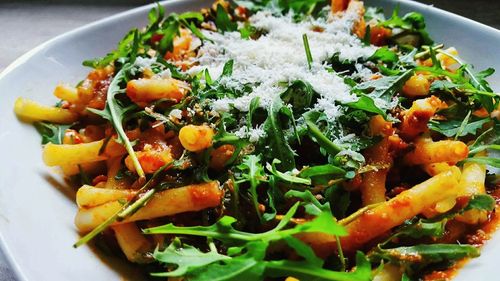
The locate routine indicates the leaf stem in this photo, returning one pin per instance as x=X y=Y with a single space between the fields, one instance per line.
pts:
x=114 y=89
x=427 y=51
x=321 y=274
x=482 y=89
x=308 y=50
x=462 y=126
x=341 y=253
x=322 y=140
x=130 y=210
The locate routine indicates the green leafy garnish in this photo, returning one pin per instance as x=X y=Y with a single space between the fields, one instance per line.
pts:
x=253 y=172
x=419 y=256
x=384 y=55
x=246 y=257
x=385 y=87
x=285 y=177
x=310 y=203
x=186 y=257
x=278 y=146
x=454 y=127
x=223 y=20
x=223 y=230
x=53 y=133
x=115 y=112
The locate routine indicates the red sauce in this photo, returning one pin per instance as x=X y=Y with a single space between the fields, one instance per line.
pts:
x=477 y=237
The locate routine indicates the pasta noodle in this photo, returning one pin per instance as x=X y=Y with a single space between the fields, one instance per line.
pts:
x=166 y=203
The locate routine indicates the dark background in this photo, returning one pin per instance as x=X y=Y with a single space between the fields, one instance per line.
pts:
x=25 y=24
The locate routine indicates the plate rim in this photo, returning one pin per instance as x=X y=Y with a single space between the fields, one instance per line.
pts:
x=11 y=262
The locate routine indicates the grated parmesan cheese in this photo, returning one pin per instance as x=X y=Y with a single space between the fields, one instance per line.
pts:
x=164 y=74
x=252 y=134
x=176 y=113
x=144 y=63
x=278 y=58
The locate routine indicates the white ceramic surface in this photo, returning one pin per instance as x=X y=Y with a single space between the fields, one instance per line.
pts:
x=37 y=209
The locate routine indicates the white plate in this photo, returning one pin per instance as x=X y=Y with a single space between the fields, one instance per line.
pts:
x=37 y=209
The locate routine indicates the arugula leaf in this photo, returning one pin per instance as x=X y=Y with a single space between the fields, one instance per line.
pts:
x=274 y=196
x=418 y=228
x=247 y=267
x=412 y=23
x=384 y=88
x=223 y=137
x=310 y=203
x=284 y=176
x=479 y=81
x=116 y=112
x=185 y=257
x=53 y=133
x=299 y=94
x=252 y=266
x=423 y=255
x=443 y=85
x=304 y=7
x=248 y=31
x=384 y=55
x=311 y=118
x=349 y=159
x=159 y=35
x=321 y=170
x=155 y=16
x=474 y=83
x=339 y=200
x=223 y=20
x=489 y=139
x=170 y=29
x=300 y=8
x=304 y=251
x=490 y=161
x=253 y=172
x=246 y=262
x=227 y=70
x=125 y=48
x=254 y=105
x=253 y=6
x=222 y=230
x=342 y=66
x=451 y=128
x=322 y=174
x=367 y=104
x=278 y=146
x=481 y=202
x=307 y=271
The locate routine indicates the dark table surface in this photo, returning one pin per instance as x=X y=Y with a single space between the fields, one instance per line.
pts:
x=27 y=23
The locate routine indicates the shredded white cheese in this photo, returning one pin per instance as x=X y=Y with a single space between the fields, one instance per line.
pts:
x=252 y=134
x=176 y=113
x=164 y=74
x=144 y=63
x=278 y=57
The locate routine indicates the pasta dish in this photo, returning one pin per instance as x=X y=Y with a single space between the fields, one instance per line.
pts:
x=279 y=140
